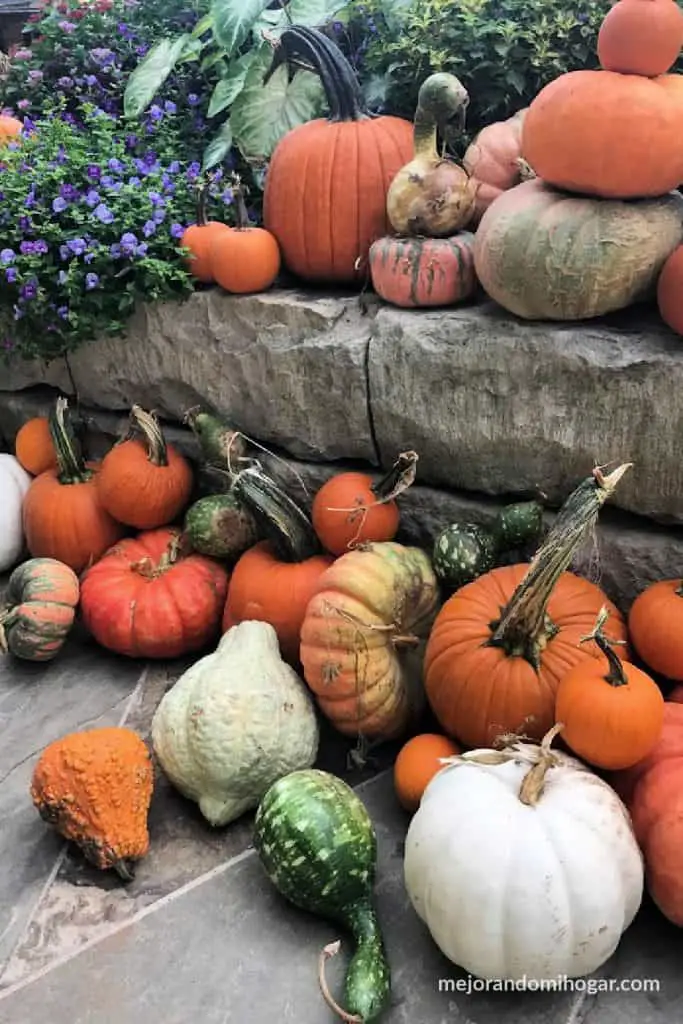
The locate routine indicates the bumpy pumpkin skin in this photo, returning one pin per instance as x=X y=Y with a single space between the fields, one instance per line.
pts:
x=421 y=272
x=42 y=595
x=582 y=257
x=604 y=134
x=362 y=640
x=95 y=787
x=137 y=602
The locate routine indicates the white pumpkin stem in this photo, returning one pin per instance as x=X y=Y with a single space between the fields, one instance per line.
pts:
x=533 y=783
x=326 y=954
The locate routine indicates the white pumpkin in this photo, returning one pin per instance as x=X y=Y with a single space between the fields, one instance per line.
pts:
x=234 y=723
x=14 y=483
x=523 y=864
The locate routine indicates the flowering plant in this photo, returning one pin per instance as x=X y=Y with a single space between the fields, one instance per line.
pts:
x=91 y=224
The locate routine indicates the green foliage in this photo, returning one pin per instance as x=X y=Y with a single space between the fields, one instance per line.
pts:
x=504 y=51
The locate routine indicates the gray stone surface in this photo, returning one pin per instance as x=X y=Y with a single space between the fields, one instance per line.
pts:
x=492 y=404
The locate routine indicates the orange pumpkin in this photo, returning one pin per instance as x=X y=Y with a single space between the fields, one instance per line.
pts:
x=350 y=509
x=641 y=37
x=247 y=259
x=612 y=715
x=606 y=134
x=33 y=446
x=148 y=598
x=62 y=513
x=327 y=182
x=274 y=580
x=653 y=792
x=417 y=764
x=144 y=482
x=655 y=624
x=670 y=291
x=501 y=645
x=413 y=272
x=198 y=239
x=362 y=639
x=494 y=160
x=10 y=128
x=676 y=695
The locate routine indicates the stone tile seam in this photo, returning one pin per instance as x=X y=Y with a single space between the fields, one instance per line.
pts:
x=164 y=901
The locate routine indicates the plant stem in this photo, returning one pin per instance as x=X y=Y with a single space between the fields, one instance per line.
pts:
x=243 y=222
x=148 y=425
x=533 y=783
x=280 y=519
x=201 y=190
x=398 y=479
x=679 y=590
x=71 y=468
x=616 y=675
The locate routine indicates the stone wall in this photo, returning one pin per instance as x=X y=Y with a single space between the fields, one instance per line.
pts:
x=495 y=407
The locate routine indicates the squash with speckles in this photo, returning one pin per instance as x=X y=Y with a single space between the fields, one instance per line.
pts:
x=412 y=272
x=40 y=607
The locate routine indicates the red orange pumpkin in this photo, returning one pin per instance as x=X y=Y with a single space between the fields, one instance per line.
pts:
x=412 y=272
x=655 y=624
x=33 y=446
x=494 y=160
x=670 y=291
x=641 y=37
x=247 y=259
x=418 y=761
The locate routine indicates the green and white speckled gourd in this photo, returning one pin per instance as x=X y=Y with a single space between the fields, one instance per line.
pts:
x=318 y=846
x=234 y=723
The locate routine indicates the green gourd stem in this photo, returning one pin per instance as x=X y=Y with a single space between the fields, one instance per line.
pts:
x=311 y=49
x=286 y=526
x=524 y=628
x=71 y=468
x=220 y=445
x=616 y=675
x=399 y=478
x=441 y=105
x=148 y=425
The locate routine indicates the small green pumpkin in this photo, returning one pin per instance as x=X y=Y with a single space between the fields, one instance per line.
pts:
x=41 y=599
x=220 y=526
x=518 y=524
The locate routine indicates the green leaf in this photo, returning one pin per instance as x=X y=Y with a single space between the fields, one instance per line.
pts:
x=262 y=114
x=234 y=19
x=211 y=59
x=218 y=148
x=192 y=51
x=151 y=73
x=203 y=25
x=229 y=88
x=314 y=12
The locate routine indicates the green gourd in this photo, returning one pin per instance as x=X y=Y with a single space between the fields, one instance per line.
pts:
x=221 y=446
x=220 y=526
x=318 y=846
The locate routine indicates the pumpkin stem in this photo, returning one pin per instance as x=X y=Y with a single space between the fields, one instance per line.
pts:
x=533 y=783
x=441 y=104
x=148 y=425
x=241 y=211
x=278 y=517
x=616 y=675
x=524 y=628
x=4 y=617
x=400 y=477
x=201 y=188
x=71 y=468
x=124 y=870
x=679 y=591
x=178 y=547
x=299 y=45
x=326 y=954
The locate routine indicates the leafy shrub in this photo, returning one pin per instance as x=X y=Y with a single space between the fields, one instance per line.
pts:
x=504 y=51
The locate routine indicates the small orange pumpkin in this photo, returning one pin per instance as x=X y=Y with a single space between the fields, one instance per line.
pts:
x=144 y=482
x=41 y=599
x=494 y=160
x=670 y=291
x=198 y=239
x=417 y=764
x=248 y=258
x=33 y=446
x=655 y=624
x=641 y=37
x=350 y=509
x=413 y=272
x=612 y=719
x=10 y=128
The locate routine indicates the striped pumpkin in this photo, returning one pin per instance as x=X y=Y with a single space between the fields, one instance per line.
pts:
x=413 y=272
x=42 y=595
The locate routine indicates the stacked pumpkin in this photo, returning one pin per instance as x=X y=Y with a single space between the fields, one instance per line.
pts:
x=592 y=232
x=429 y=261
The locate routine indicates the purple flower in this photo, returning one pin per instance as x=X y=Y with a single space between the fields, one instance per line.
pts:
x=128 y=243
x=125 y=31
x=106 y=180
x=170 y=107
x=174 y=167
x=94 y=172
x=141 y=50
x=103 y=213
x=141 y=249
x=91 y=281
x=193 y=99
x=30 y=199
x=177 y=230
x=29 y=290
x=67 y=26
x=115 y=165
x=63 y=312
x=11 y=275
x=64 y=253
x=158 y=215
x=65 y=82
x=89 y=257
x=155 y=112
x=102 y=55
x=193 y=170
x=148 y=228
x=69 y=193
x=22 y=55
x=91 y=80
x=38 y=248
x=25 y=223
x=59 y=204
x=131 y=141
x=77 y=246
x=92 y=197
x=115 y=251
x=24 y=104
x=227 y=196
x=156 y=199
x=7 y=256
x=135 y=182
x=35 y=75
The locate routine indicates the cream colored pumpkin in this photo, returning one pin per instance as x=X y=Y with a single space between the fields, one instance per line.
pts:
x=14 y=483
x=234 y=723
x=523 y=863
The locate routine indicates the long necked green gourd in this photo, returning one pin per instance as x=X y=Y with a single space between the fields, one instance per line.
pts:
x=221 y=446
x=318 y=846
x=432 y=195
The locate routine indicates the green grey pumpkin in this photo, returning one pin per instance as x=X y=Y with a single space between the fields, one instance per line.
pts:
x=462 y=552
x=518 y=524
x=220 y=526
x=318 y=846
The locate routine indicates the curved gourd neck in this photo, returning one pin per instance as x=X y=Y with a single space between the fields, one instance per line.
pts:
x=368 y=978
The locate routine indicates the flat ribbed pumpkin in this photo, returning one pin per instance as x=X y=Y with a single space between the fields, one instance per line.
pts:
x=412 y=272
x=326 y=188
x=546 y=255
x=41 y=599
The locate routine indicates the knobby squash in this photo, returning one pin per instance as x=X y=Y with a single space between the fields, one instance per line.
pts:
x=234 y=723
x=14 y=483
x=326 y=188
x=221 y=446
x=582 y=257
x=655 y=624
x=95 y=787
x=40 y=607
x=362 y=639
x=501 y=645
x=537 y=842
x=641 y=37
x=297 y=834
x=423 y=272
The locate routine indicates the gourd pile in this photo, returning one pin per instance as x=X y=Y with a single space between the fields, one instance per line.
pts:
x=556 y=749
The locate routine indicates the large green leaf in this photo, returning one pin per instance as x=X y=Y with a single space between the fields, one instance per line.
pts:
x=202 y=27
x=218 y=148
x=151 y=73
x=314 y=12
x=229 y=87
x=262 y=114
x=234 y=19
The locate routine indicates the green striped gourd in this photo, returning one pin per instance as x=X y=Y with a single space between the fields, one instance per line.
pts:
x=412 y=272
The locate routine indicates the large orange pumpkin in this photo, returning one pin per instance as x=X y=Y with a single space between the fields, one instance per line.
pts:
x=502 y=644
x=413 y=272
x=494 y=159
x=641 y=37
x=326 y=187
x=655 y=624
x=670 y=291
x=605 y=134
x=62 y=513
